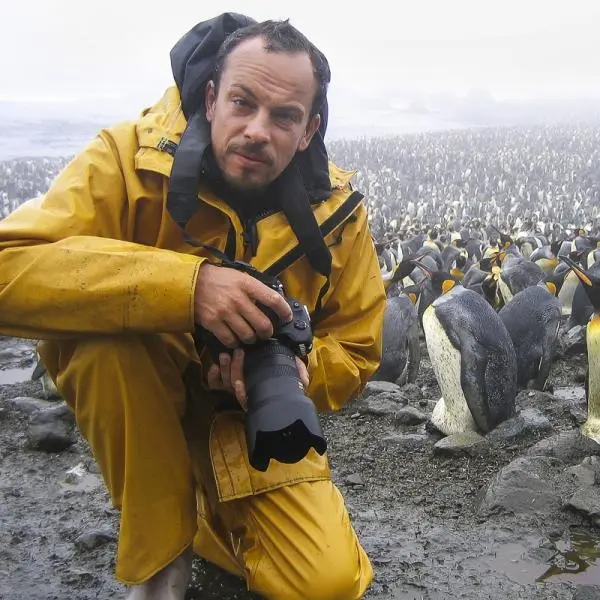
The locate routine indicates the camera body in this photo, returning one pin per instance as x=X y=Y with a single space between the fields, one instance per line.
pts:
x=281 y=422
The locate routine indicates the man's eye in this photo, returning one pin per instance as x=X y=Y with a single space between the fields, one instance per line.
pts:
x=241 y=102
x=286 y=118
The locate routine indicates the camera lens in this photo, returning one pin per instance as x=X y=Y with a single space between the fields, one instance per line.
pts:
x=281 y=422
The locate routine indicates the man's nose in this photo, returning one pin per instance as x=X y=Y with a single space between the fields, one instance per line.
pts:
x=258 y=127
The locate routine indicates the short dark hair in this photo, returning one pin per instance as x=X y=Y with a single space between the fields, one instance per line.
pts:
x=279 y=36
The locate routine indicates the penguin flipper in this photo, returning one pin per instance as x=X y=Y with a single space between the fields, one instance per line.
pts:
x=414 y=353
x=546 y=359
x=488 y=392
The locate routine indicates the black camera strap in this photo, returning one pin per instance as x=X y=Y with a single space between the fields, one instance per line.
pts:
x=305 y=180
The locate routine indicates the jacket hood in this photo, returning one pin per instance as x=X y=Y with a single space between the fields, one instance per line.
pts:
x=192 y=62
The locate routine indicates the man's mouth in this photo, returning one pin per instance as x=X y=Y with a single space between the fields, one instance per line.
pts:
x=251 y=158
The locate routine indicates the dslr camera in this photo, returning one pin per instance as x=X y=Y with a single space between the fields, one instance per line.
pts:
x=281 y=421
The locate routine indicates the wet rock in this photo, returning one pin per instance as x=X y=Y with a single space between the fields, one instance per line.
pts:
x=528 y=423
x=578 y=414
x=374 y=388
x=409 y=415
x=94 y=539
x=586 y=473
x=580 y=375
x=379 y=406
x=51 y=430
x=524 y=486
x=585 y=500
x=458 y=444
x=92 y=466
x=570 y=447
x=533 y=399
x=27 y=405
x=574 y=341
x=407 y=441
x=354 y=479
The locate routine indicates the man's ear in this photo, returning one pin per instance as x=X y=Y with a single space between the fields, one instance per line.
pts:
x=311 y=128
x=210 y=100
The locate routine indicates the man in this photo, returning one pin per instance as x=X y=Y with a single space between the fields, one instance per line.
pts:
x=103 y=272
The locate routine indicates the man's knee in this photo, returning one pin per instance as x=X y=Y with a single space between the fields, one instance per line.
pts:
x=339 y=573
x=307 y=547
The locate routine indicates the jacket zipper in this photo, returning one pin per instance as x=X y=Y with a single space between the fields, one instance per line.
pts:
x=250 y=229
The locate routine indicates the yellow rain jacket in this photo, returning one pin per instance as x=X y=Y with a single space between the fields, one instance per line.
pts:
x=100 y=255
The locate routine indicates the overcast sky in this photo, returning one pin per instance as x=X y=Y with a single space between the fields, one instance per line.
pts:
x=119 y=49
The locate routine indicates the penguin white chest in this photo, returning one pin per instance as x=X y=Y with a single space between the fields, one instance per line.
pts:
x=451 y=414
x=591 y=427
x=567 y=291
x=505 y=290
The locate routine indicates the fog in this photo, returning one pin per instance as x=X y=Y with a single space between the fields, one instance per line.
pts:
x=79 y=60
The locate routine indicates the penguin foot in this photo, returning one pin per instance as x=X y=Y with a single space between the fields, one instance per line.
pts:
x=452 y=419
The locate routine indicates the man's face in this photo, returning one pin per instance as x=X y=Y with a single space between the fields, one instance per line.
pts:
x=260 y=117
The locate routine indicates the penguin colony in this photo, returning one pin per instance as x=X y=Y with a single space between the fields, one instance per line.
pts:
x=470 y=226
x=490 y=309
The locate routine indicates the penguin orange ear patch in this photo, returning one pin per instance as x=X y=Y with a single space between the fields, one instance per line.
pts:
x=551 y=287
x=413 y=297
x=447 y=285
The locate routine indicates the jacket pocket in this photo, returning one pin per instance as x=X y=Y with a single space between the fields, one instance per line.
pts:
x=236 y=478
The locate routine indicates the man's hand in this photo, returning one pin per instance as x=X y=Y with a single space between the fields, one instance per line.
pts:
x=225 y=304
x=228 y=375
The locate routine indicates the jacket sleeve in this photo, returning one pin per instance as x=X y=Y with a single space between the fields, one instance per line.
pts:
x=66 y=268
x=348 y=337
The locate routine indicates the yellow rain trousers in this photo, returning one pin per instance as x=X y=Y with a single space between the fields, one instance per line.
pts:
x=99 y=271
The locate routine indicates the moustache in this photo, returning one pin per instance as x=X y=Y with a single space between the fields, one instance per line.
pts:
x=252 y=151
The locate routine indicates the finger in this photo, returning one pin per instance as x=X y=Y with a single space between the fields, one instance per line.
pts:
x=214 y=378
x=241 y=329
x=258 y=321
x=240 y=394
x=265 y=295
x=225 y=364
x=237 y=376
x=303 y=373
x=225 y=335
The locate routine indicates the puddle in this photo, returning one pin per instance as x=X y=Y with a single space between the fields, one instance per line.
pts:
x=574 y=561
x=512 y=560
x=9 y=376
x=569 y=393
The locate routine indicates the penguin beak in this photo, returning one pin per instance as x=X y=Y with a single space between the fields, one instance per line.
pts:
x=577 y=270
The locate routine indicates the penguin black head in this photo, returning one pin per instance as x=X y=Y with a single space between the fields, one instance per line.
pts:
x=554 y=283
x=405 y=268
x=441 y=282
x=505 y=240
x=486 y=264
x=590 y=282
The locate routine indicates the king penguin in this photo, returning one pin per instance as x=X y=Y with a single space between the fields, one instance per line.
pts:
x=473 y=359
x=401 y=350
x=532 y=319
x=591 y=284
